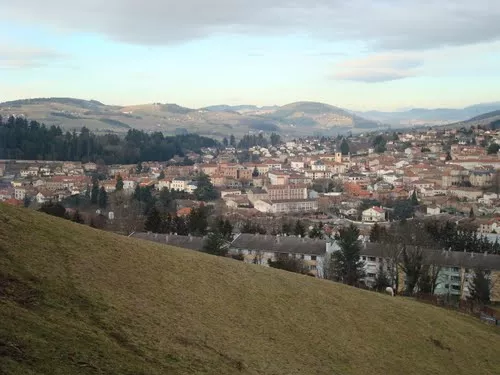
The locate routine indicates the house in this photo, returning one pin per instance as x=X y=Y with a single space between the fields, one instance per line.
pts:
x=19 y=193
x=373 y=214
x=433 y=210
x=163 y=184
x=179 y=184
x=260 y=249
x=90 y=167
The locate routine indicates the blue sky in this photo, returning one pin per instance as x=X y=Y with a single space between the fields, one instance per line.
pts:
x=379 y=54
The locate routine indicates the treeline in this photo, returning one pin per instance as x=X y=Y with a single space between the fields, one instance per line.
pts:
x=30 y=140
x=433 y=234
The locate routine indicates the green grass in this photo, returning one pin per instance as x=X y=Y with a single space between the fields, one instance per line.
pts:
x=74 y=300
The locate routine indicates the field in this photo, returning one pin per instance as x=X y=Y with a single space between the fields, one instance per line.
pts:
x=74 y=300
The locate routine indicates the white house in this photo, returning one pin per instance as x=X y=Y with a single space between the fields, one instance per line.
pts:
x=433 y=210
x=179 y=184
x=163 y=184
x=373 y=214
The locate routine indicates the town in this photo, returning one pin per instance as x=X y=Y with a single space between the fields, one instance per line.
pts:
x=293 y=197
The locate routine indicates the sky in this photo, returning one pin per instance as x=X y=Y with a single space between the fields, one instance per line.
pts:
x=356 y=54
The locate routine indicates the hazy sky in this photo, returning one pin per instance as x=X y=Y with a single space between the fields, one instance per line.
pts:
x=358 y=54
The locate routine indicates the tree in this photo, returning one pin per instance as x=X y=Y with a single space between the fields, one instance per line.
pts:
x=205 y=190
x=138 y=168
x=347 y=266
x=316 y=232
x=224 y=227
x=225 y=142
x=54 y=209
x=275 y=139
x=379 y=144
x=377 y=233
x=480 y=287
x=77 y=218
x=448 y=156
x=26 y=201
x=289 y=263
x=471 y=213
x=103 y=198
x=180 y=226
x=216 y=244
x=161 y=176
x=300 y=229
x=403 y=209
x=382 y=280
x=493 y=148
x=198 y=221
x=232 y=141
x=414 y=198
x=255 y=172
x=119 y=183
x=412 y=266
x=344 y=147
x=153 y=221
x=94 y=195
x=429 y=279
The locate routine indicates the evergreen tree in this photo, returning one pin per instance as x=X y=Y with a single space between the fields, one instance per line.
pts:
x=375 y=233
x=348 y=267
x=119 y=183
x=138 y=168
x=412 y=266
x=255 y=172
x=300 y=229
x=225 y=142
x=87 y=193
x=161 y=176
x=316 y=232
x=216 y=244
x=286 y=228
x=232 y=141
x=448 y=156
x=77 y=218
x=381 y=280
x=94 y=195
x=480 y=287
x=414 y=199
x=344 y=147
x=275 y=139
x=54 y=209
x=180 y=226
x=471 y=213
x=205 y=190
x=289 y=263
x=103 y=198
x=198 y=221
x=153 y=221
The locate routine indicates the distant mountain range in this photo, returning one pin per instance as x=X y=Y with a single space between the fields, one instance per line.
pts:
x=295 y=119
x=423 y=116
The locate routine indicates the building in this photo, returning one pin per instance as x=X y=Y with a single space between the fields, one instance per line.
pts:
x=373 y=215
x=286 y=206
x=260 y=249
x=179 y=184
x=284 y=192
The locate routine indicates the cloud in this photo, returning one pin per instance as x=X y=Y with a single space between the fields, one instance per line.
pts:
x=378 y=68
x=18 y=57
x=381 y=24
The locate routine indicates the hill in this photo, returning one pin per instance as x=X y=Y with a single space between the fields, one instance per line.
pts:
x=215 y=121
x=424 y=116
x=490 y=119
x=74 y=300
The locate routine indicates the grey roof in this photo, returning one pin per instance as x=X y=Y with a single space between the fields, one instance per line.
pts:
x=186 y=242
x=278 y=244
x=442 y=257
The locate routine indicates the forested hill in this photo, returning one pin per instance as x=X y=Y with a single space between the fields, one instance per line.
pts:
x=23 y=139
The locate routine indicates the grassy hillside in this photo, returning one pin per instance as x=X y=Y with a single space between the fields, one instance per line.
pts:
x=74 y=300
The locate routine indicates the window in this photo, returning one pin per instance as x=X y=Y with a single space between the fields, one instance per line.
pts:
x=372 y=259
x=455 y=269
x=313 y=257
x=364 y=258
x=447 y=286
x=312 y=268
x=455 y=287
x=372 y=275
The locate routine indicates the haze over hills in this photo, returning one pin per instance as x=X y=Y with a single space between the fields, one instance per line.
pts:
x=423 y=116
x=303 y=118
x=74 y=300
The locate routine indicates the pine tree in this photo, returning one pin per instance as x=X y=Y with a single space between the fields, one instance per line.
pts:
x=344 y=147
x=300 y=229
x=216 y=244
x=225 y=142
x=255 y=172
x=94 y=195
x=375 y=233
x=471 y=213
x=480 y=287
x=103 y=198
x=232 y=141
x=414 y=199
x=153 y=221
x=138 y=168
x=381 y=280
x=316 y=232
x=119 y=183
x=347 y=266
